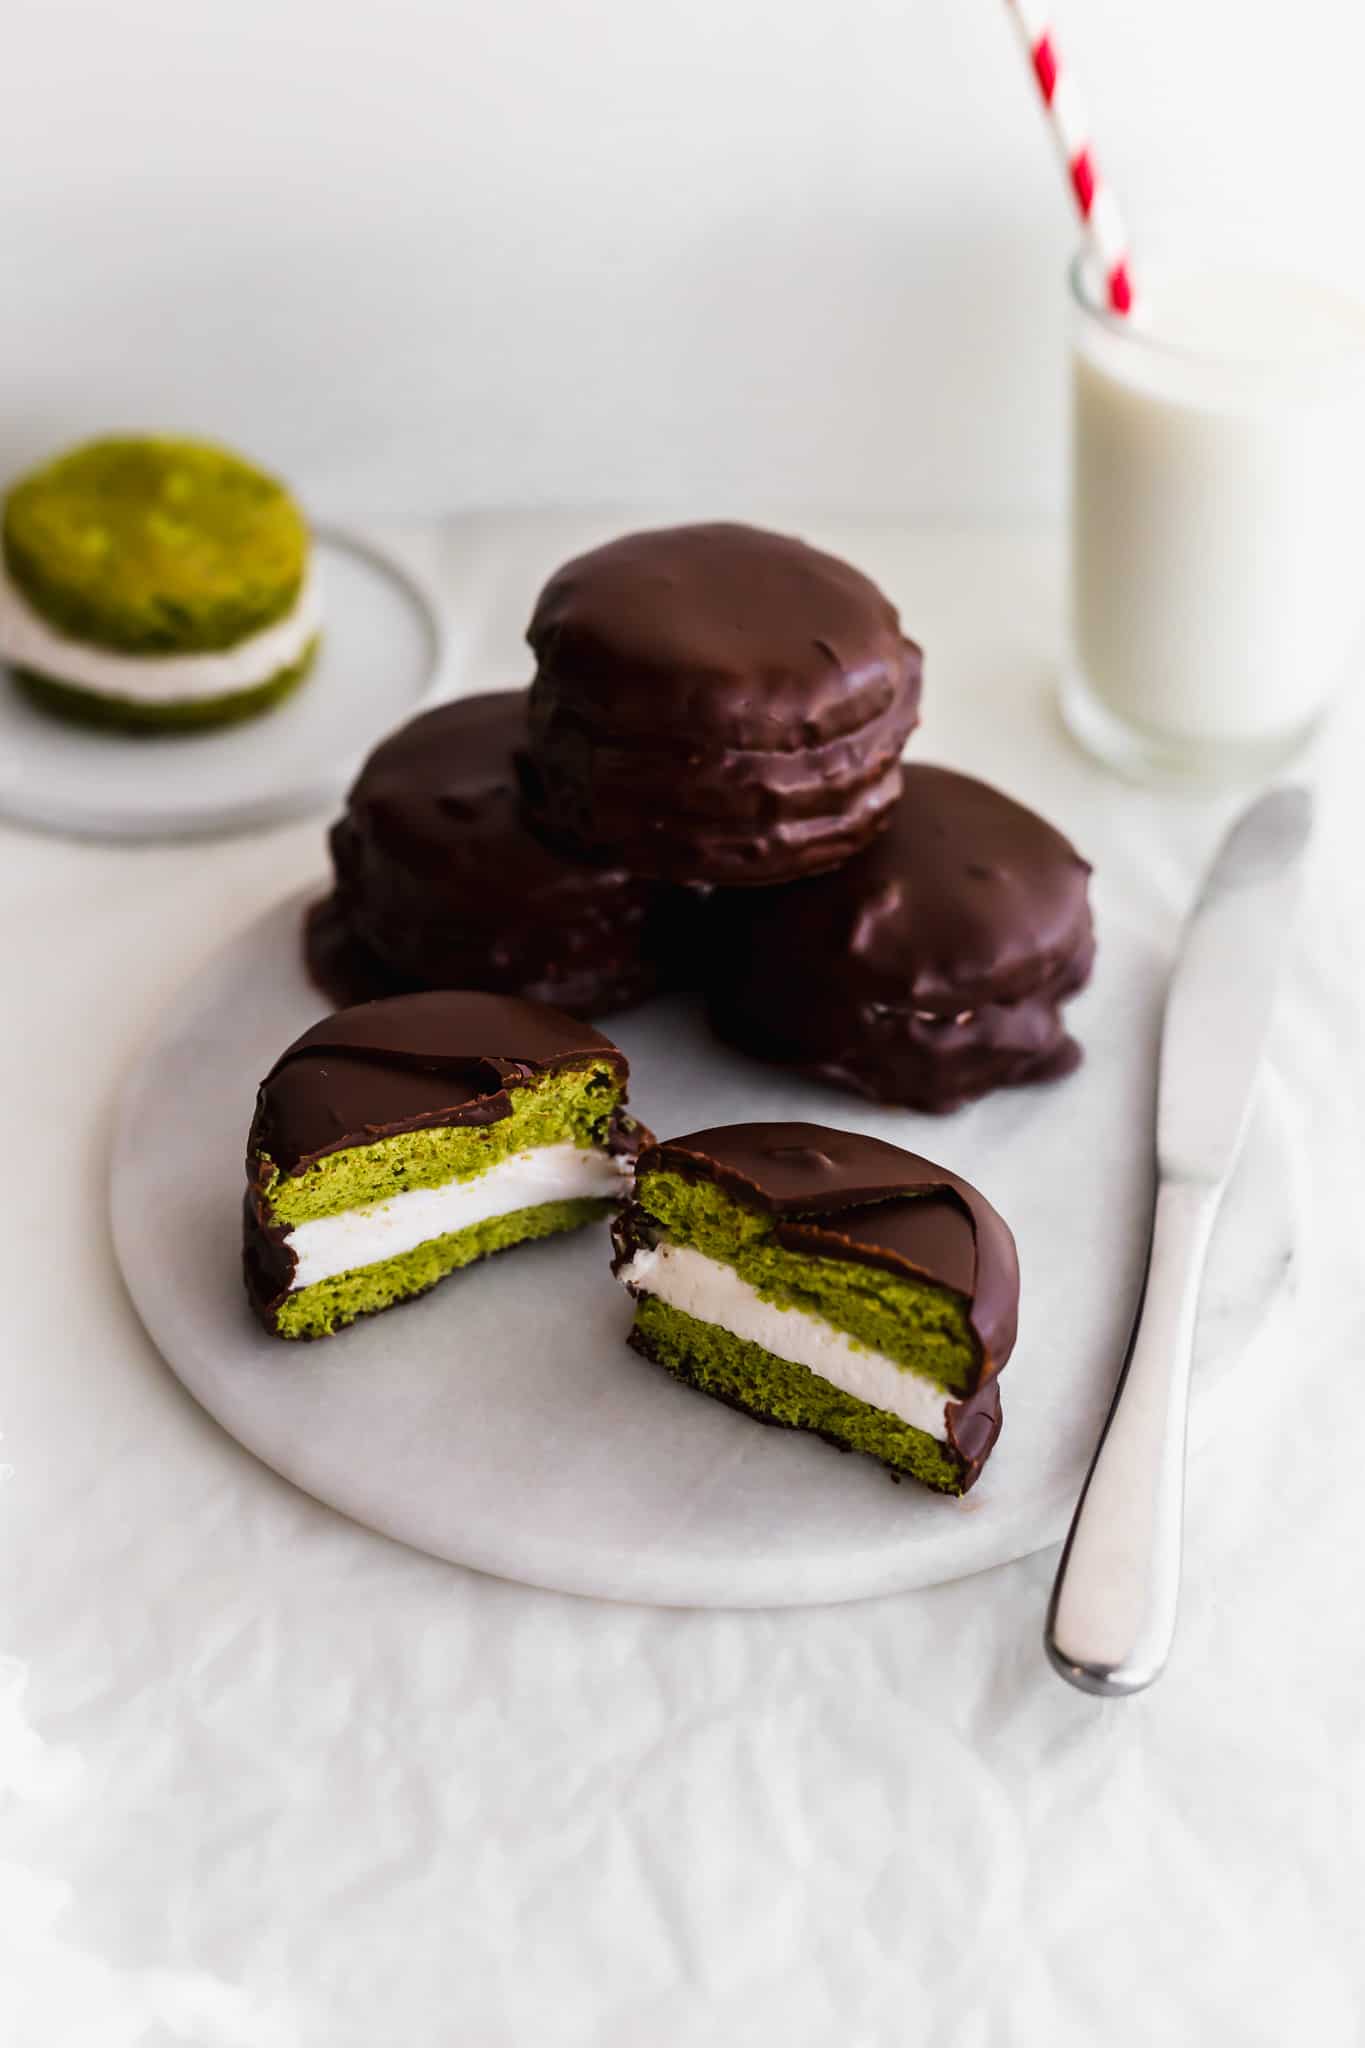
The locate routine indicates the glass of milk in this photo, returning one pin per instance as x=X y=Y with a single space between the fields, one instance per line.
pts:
x=1217 y=518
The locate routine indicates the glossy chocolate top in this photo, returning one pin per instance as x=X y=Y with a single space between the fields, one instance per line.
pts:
x=440 y=798
x=965 y=897
x=405 y=1062
x=441 y=883
x=838 y=1194
x=721 y=636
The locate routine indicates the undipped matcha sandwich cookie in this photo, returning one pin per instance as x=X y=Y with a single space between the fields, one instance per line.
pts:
x=156 y=584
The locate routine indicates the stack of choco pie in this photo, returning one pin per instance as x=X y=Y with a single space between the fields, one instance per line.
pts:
x=703 y=787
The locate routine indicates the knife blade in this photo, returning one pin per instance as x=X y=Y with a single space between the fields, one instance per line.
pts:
x=1111 y=1619
x=1223 y=988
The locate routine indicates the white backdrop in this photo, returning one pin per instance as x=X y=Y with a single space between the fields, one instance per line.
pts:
x=277 y=1784
x=435 y=253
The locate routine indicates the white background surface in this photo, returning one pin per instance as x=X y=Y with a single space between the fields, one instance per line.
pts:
x=271 y=1782
x=429 y=253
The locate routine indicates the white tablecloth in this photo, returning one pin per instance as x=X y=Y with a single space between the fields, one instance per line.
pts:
x=271 y=1782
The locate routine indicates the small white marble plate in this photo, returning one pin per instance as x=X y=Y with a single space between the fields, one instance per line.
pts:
x=378 y=661
x=502 y=1422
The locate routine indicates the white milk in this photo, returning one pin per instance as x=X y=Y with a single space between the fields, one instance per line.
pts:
x=1218 y=518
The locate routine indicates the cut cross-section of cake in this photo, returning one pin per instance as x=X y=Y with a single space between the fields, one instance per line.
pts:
x=830 y=1282
x=401 y=1139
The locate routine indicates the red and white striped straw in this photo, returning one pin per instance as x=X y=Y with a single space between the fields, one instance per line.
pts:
x=1066 y=115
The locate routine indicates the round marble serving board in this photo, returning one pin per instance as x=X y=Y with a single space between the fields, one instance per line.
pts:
x=502 y=1422
x=378 y=660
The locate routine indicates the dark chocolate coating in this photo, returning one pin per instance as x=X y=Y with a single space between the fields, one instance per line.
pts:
x=716 y=704
x=440 y=883
x=268 y=1263
x=448 y=1056
x=840 y=1194
x=927 y=971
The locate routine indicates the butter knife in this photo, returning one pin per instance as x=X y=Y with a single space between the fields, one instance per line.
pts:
x=1111 y=1619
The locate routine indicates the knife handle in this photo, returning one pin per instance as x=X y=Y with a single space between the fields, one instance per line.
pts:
x=1111 y=1618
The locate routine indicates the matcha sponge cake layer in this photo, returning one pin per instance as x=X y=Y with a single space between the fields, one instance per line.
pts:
x=400 y=1140
x=155 y=581
x=826 y=1281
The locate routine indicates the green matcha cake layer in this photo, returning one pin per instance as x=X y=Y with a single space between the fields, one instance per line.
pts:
x=399 y=1141
x=328 y=1305
x=909 y=1319
x=747 y=1376
x=144 y=719
x=573 y=1108
x=155 y=546
x=826 y=1281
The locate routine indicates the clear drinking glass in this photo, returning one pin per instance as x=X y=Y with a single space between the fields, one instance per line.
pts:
x=1217 y=518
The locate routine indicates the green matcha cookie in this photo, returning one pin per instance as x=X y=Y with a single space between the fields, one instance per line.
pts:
x=155 y=583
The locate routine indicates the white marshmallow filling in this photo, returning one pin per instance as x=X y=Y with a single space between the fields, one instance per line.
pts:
x=28 y=641
x=686 y=1279
x=369 y=1234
